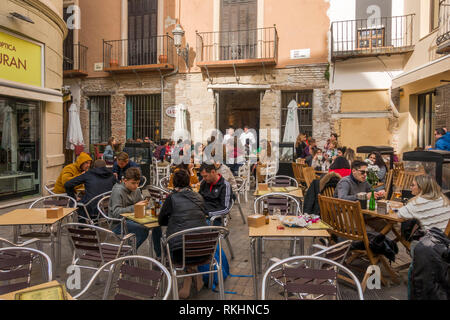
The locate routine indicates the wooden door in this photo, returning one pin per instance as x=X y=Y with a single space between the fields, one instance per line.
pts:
x=142 y=32
x=238 y=29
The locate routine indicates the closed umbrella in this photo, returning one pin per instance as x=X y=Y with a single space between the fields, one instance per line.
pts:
x=74 y=133
x=291 y=130
x=181 y=129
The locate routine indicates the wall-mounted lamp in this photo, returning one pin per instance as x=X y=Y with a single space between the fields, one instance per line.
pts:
x=21 y=17
x=402 y=92
x=178 y=34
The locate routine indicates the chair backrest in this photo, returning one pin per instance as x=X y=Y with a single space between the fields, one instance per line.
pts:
x=87 y=239
x=302 y=281
x=337 y=252
x=389 y=181
x=143 y=182
x=287 y=204
x=54 y=201
x=50 y=186
x=405 y=179
x=328 y=192
x=240 y=183
x=198 y=243
x=309 y=174
x=16 y=266
x=134 y=280
x=344 y=217
x=164 y=183
x=157 y=193
x=298 y=172
x=282 y=181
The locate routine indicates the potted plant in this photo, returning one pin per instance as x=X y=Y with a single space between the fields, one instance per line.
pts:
x=113 y=63
x=162 y=58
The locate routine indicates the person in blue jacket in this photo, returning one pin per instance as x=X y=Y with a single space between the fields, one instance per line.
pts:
x=442 y=140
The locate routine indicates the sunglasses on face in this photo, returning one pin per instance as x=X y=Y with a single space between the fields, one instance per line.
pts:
x=363 y=171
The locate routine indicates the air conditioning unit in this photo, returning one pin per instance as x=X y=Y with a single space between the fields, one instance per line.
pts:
x=98 y=66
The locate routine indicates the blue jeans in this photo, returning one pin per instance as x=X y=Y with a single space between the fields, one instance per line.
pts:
x=140 y=231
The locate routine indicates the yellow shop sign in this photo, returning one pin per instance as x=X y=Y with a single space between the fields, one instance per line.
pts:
x=20 y=60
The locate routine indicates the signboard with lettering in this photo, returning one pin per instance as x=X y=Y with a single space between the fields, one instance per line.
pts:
x=171 y=111
x=21 y=60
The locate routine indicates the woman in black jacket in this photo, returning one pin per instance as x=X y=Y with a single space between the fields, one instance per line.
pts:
x=183 y=209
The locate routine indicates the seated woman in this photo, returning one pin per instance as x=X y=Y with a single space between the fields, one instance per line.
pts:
x=189 y=168
x=319 y=162
x=377 y=160
x=183 y=209
x=341 y=166
x=108 y=154
x=430 y=206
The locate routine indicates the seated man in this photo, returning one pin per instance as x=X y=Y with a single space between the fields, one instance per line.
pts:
x=122 y=164
x=81 y=165
x=123 y=198
x=348 y=187
x=442 y=140
x=216 y=192
x=226 y=173
x=96 y=181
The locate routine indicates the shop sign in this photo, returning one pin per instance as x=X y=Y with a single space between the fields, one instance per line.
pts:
x=21 y=60
x=172 y=111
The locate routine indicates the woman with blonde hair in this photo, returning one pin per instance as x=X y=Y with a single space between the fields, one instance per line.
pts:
x=349 y=155
x=430 y=206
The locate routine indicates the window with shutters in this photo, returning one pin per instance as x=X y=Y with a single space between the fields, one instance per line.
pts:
x=238 y=29
x=100 y=118
x=142 y=32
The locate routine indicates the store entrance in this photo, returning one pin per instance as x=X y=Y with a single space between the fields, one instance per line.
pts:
x=19 y=149
x=237 y=109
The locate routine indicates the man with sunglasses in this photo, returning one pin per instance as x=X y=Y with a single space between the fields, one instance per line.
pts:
x=348 y=187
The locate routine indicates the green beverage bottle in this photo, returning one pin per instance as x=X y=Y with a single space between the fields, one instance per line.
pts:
x=372 y=202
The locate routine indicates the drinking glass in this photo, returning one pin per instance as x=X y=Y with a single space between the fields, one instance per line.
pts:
x=277 y=213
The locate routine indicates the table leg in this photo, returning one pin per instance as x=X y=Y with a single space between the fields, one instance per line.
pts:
x=58 y=237
x=15 y=234
x=253 y=263
x=259 y=253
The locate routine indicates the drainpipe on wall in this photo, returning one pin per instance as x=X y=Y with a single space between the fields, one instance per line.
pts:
x=392 y=105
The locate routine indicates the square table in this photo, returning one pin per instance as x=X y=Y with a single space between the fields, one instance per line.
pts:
x=23 y=217
x=11 y=295
x=270 y=231
x=149 y=226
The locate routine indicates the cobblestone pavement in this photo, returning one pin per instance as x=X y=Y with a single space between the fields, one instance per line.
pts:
x=236 y=286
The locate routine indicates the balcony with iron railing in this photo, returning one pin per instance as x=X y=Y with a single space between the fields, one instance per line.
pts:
x=251 y=47
x=372 y=37
x=443 y=39
x=150 y=54
x=75 y=61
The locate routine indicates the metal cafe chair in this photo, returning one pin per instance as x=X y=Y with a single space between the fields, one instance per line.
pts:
x=89 y=247
x=304 y=282
x=282 y=181
x=200 y=243
x=85 y=207
x=131 y=280
x=16 y=268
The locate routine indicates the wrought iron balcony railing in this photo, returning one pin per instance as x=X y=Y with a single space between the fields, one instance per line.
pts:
x=443 y=39
x=75 y=60
x=245 y=45
x=139 y=54
x=372 y=37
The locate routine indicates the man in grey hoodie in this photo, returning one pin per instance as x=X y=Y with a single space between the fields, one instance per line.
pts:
x=123 y=198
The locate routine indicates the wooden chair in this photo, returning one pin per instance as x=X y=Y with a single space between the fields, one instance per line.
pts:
x=310 y=175
x=346 y=220
x=297 y=168
x=405 y=179
x=328 y=192
x=389 y=181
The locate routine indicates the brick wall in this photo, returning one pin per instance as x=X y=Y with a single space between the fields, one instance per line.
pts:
x=443 y=107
